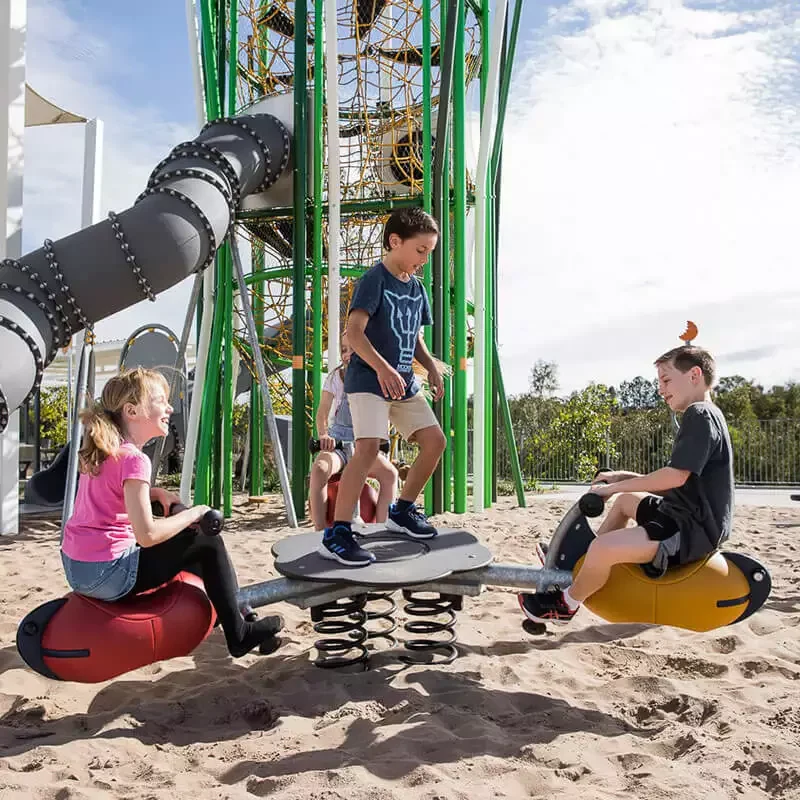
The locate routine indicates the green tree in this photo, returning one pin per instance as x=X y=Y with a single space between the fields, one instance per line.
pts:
x=638 y=394
x=579 y=437
x=543 y=378
x=53 y=415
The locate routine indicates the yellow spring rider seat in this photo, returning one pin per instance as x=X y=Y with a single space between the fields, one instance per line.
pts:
x=722 y=589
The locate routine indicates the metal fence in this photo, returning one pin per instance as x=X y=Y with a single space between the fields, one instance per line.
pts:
x=766 y=452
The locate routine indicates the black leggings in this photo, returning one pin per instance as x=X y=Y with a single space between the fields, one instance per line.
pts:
x=207 y=558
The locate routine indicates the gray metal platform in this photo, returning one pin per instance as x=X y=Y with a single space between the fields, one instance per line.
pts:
x=401 y=561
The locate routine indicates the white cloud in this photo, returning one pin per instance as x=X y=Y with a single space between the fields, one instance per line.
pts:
x=74 y=69
x=656 y=153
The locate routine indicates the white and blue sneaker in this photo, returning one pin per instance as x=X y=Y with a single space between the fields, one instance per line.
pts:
x=339 y=544
x=410 y=521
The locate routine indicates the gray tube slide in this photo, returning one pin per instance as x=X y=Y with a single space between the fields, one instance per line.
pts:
x=172 y=230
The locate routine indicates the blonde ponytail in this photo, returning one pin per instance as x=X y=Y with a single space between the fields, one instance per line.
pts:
x=102 y=438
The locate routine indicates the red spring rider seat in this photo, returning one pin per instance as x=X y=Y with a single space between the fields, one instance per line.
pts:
x=78 y=638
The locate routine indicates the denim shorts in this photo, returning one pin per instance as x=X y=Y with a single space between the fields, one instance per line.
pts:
x=103 y=580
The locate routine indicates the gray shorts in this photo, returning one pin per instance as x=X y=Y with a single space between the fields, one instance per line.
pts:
x=103 y=580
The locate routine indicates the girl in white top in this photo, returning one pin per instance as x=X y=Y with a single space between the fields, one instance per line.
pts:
x=334 y=422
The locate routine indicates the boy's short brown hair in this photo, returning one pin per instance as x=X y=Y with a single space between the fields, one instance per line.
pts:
x=408 y=222
x=686 y=356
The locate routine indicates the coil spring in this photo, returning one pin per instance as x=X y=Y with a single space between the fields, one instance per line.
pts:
x=441 y=605
x=387 y=622
x=344 y=619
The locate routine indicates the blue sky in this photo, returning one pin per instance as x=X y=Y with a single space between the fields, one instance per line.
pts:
x=652 y=171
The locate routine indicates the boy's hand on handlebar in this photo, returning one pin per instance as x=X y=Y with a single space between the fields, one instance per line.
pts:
x=327 y=444
x=603 y=491
x=607 y=477
x=391 y=382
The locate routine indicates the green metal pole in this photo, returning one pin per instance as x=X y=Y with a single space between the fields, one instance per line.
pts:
x=256 y=398
x=319 y=146
x=227 y=104
x=299 y=432
x=227 y=389
x=493 y=330
x=497 y=151
x=209 y=62
x=233 y=61
x=441 y=256
x=210 y=388
x=447 y=328
x=427 y=198
x=509 y=428
x=460 y=269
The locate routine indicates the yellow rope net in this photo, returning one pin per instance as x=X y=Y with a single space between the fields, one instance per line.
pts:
x=380 y=129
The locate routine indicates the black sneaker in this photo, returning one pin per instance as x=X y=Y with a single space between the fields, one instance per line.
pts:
x=546 y=607
x=411 y=521
x=339 y=544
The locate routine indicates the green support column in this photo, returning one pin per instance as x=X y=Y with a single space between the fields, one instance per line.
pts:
x=507 y=68
x=300 y=243
x=319 y=148
x=460 y=268
x=427 y=198
x=256 y=398
x=206 y=485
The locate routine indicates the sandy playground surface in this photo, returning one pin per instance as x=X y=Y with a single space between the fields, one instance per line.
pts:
x=590 y=711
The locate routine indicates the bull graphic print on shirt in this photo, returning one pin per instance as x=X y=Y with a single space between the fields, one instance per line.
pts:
x=405 y=315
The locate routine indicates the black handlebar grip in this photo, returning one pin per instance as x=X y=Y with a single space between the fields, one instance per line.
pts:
x=313 y=445
x=176 y=508
x=212 y=522
x=591 y=505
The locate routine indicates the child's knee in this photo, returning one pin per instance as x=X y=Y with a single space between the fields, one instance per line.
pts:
x=385 y=473
x=431 y=440
x=599 y=551
x=321 y=471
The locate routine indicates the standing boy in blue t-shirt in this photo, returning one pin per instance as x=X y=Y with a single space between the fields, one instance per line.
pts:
x=388 y=309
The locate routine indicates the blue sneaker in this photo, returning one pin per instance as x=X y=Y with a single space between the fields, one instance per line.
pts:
x=339 y=544
x=410 y=521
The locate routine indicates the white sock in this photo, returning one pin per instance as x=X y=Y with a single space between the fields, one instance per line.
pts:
x=572 y=603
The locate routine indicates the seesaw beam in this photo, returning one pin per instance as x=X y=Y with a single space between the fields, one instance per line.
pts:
x=309 y=594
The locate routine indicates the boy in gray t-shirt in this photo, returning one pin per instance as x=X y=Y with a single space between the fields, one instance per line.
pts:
x=388 y=309
x=683 y=511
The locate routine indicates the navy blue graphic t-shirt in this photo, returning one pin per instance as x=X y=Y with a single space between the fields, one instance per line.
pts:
x=397 y=310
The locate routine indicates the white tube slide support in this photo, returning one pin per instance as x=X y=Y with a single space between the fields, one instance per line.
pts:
x=334 y=181
x=481 y=201
x=209 y=277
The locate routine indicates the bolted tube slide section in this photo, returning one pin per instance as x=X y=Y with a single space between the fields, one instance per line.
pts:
x=172 y=230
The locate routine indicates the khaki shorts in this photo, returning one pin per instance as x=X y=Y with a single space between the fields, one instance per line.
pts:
x=372 y=414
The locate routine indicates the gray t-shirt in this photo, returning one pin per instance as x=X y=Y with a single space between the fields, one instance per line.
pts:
x=703 y=506
x=397 y=310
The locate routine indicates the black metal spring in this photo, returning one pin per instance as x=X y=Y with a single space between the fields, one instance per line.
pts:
x=342 y=622
x=437 y=650
x=386 y=621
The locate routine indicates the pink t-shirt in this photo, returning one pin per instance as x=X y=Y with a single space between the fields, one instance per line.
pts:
x=99 y=528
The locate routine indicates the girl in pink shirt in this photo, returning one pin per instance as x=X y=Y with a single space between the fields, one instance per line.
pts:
x=113 y=547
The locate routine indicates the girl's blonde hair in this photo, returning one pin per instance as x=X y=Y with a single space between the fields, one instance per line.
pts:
x=102 y=420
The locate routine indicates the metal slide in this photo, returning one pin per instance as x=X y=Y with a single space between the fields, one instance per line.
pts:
x=172 y=230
